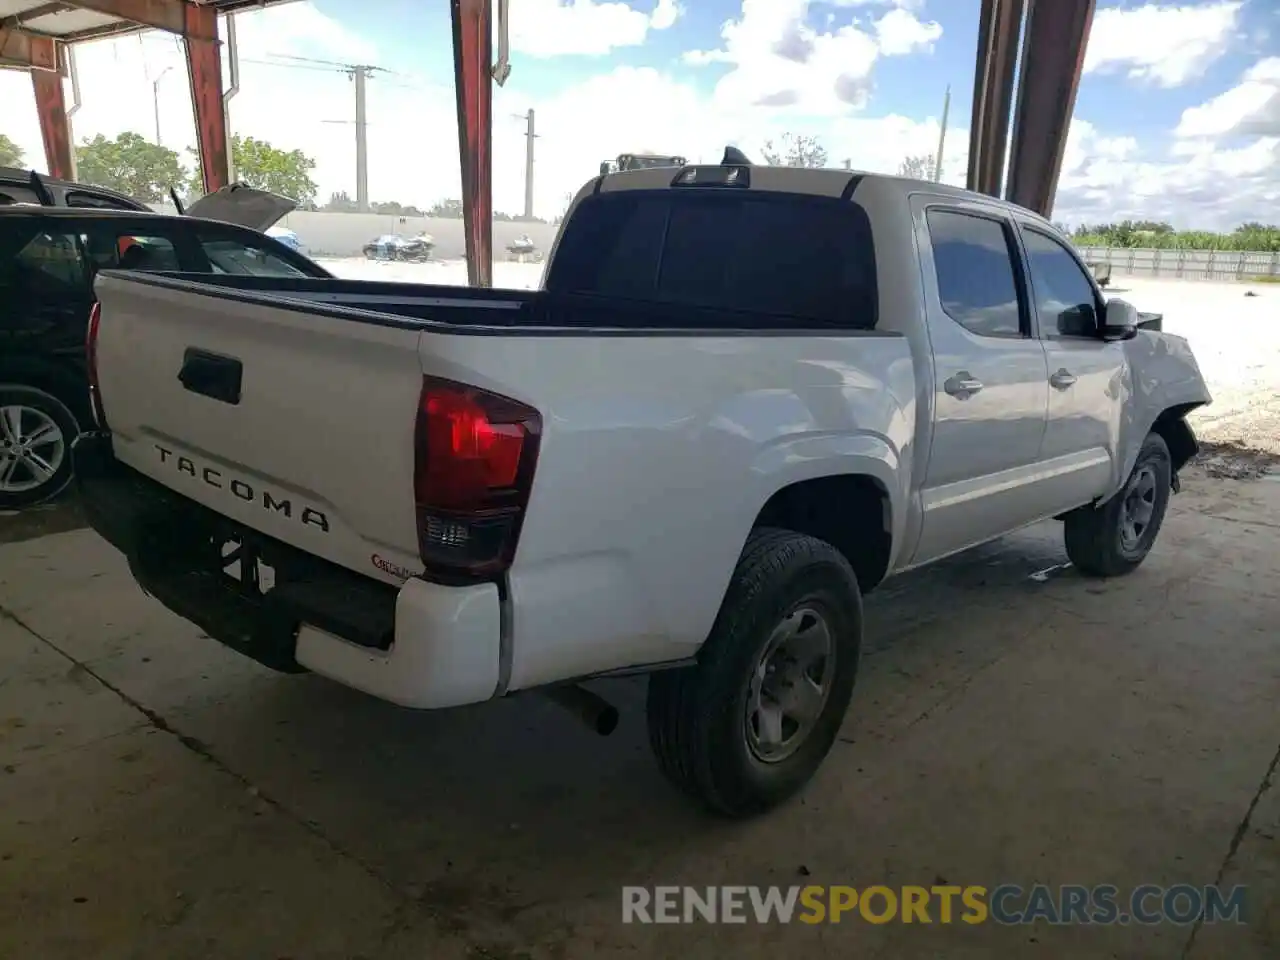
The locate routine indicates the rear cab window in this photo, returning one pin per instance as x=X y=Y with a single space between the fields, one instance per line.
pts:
x=715 y=258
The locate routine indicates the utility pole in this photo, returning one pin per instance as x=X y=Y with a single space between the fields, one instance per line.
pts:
x=530 y=136
x=360 y=74
x=942 y=136
x=155 y=99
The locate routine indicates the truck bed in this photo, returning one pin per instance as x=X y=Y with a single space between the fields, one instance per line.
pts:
x=297 y=418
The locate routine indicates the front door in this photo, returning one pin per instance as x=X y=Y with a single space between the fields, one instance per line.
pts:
x=1086 y=375
x=990 y=381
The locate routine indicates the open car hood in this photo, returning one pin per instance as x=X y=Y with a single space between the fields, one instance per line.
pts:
x=243 y=206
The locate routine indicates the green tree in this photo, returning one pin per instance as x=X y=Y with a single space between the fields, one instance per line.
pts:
x=795 y=150
x=446 y=210
x=10 y=153
x=260 y=165
x=131 y=164
x=918 y=167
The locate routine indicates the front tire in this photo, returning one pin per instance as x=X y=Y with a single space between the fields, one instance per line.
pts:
x=749 y=725
x=1114 y=539
x=36 y=431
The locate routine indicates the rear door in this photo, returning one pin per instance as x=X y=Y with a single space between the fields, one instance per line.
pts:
x=1086 y=374
x=990 y=380
x=44 y=289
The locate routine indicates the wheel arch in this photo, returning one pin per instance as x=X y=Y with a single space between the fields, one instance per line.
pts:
x=851 y=511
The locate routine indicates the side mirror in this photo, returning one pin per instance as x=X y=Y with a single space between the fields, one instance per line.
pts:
x=1121 y=321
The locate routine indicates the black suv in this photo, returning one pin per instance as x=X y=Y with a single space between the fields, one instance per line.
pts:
x=26 y=186
x=48 y=258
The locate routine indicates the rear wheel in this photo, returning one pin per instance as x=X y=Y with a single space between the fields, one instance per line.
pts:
x=36 y=430
x=750 y=724
x=1115 y=538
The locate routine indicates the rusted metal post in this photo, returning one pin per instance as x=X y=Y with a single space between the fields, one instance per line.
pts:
x=1052 y=60
x=998 y=26
x=472 y=52
x=51 y=106
x=204 y=70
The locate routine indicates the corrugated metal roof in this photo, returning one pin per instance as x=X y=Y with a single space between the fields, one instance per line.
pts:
x=65 y=21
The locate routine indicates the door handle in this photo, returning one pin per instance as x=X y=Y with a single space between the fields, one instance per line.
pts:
x=962 y=385
x=1062 y=380
x=211 y=375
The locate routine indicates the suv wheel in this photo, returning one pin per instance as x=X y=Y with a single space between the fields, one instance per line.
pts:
x=36 y=430
x=750 y=724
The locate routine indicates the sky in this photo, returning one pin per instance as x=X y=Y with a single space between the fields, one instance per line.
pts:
x=1177 y=118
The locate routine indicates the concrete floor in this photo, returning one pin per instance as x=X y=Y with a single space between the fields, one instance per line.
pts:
x=162 y=798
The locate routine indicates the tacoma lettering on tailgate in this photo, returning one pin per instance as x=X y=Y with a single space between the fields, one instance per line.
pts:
x=244 y=491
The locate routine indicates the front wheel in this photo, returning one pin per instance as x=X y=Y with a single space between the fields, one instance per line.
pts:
x=750 y=724
x=1114 y=539
x=36 y=430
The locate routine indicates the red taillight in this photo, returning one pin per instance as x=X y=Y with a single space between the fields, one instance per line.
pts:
x=474 y=456
x=91 y=361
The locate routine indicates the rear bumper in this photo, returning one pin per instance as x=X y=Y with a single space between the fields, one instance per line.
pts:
x=423 y=645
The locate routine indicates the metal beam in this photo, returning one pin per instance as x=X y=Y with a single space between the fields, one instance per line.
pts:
x=28 y=51
x=998 y=27
x=1052 y=60
x=204 y=71
x=473 y=82
x=51 y=108
x=168 y=15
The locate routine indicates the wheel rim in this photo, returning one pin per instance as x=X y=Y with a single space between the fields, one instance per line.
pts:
x=32 y=448
x=790 y=684
x=1139 y=507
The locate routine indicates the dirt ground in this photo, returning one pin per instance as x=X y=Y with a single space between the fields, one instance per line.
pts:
x=162 y=797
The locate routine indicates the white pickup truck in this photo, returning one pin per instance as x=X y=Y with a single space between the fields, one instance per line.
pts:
x=743 y=397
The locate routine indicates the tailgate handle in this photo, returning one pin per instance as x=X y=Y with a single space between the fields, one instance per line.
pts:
x=211 y=375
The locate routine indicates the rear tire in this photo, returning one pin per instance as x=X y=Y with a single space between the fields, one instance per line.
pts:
x=36 y=431
x=1114 y=539
x=721 y=730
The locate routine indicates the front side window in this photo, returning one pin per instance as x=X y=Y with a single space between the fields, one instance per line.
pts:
x=974 y=267
x=1063 y=293
x=793 y=259
x=228 y=256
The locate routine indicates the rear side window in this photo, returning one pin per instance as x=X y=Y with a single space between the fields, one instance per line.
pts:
x=971 y=256
x=797 y=261
x=116 y=247
x=231 y=256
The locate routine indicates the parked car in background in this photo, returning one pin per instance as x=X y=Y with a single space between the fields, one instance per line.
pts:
x=49 y=256
x=392 y=246
x=688 y=455
x=289 y=239
x=384 y=247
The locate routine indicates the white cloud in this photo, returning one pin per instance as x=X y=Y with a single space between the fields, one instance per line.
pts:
x=1199 y=181
x=1197 y=184
x=1164 y=45
x=555 y=28
x=779 y=60
x=899 y=32
x=1252 y=107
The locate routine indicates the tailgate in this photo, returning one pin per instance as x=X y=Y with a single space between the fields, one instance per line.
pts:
x=294 y=423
